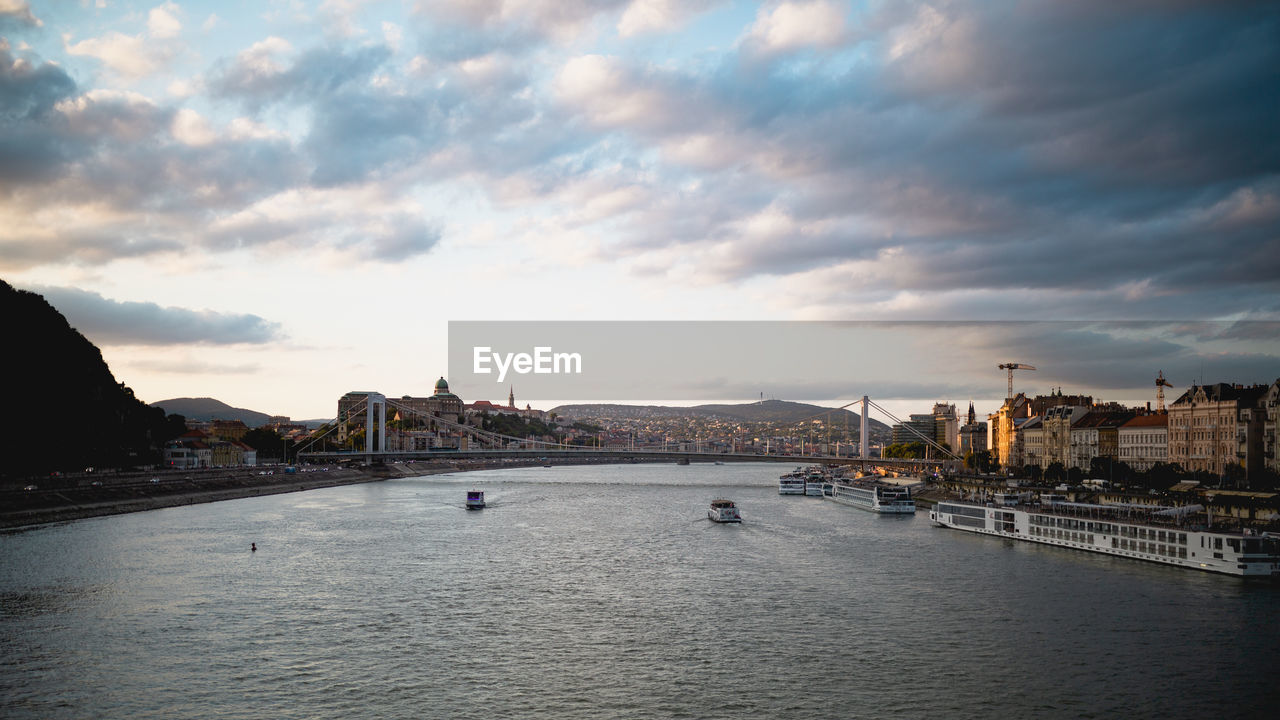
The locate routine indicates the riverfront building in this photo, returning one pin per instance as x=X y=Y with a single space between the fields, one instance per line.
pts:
x=1213 y=426
x=1144 y=441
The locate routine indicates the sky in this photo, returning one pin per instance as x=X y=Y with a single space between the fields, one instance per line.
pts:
x=273 y=203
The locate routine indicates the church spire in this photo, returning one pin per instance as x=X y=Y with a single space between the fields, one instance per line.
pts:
x=511 y=397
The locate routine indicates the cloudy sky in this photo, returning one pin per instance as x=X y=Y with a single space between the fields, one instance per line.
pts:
x=273 y=203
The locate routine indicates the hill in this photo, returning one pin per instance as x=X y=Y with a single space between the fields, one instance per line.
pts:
x=66 y=411
x=211 y=409
x=769 y=412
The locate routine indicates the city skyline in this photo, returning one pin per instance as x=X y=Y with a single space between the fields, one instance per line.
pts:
x=273 y=205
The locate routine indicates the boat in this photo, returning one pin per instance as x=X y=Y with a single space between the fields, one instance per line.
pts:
x=792 y=483
x=877 y=497
x=683 y=461
x=813 y=484
x=723 y=511
x=475 y=499
x=1164 y=535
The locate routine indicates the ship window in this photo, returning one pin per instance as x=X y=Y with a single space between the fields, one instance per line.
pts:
x=1161 y=536
x=1182 y=552
x=1217 y=543
x=1090 y=539
x=1114 y=543
x=1234 y=545
x=1182 y=538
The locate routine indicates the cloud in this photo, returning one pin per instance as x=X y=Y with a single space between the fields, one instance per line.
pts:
x=112 y=322
x=134 y=56
x=792 y=26
x=163 y=23
x=658 y=16
x=16 y=14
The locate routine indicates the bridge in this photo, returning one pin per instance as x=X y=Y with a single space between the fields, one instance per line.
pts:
x=491 y=445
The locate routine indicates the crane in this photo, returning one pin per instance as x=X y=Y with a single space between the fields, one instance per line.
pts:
x=1161 y=384
x=1011 y=367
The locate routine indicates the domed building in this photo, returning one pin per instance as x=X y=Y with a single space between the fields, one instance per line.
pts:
x=444 y=402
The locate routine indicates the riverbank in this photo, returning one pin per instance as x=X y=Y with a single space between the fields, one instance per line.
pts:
x=62 y=499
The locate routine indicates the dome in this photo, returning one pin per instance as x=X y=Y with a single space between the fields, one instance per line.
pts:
x=441 y=385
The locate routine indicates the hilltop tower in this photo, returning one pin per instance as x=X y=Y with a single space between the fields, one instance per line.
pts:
x=511 y=396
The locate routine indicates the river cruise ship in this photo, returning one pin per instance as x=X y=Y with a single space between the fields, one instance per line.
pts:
x=1157 y=534
x=874 y=496
x=724 y=511
x=813 y=483
x=792 y=483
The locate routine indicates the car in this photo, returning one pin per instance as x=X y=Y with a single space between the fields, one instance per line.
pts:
x=96 y=483
x=155 y=480
x=30 y=487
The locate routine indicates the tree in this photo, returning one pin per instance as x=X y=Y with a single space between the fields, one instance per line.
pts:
x=1055 y=472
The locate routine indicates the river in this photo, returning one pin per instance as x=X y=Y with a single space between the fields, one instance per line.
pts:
x=604 y=592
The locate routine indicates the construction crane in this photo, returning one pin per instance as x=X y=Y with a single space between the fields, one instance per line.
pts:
x=1161 y=384
x=1011 y=367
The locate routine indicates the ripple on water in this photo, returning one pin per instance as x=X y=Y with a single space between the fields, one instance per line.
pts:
x=602 y=593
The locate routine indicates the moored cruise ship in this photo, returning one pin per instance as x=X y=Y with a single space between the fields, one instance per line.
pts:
x=1125 y=531
x=874 y=496
x=792 y=483
x=813 y=484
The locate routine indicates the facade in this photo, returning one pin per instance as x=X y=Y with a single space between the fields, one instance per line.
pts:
x=1144 y=441
x=1032 y=442
x=1058 y=422
x=946 y=425
x=1213 y=426
x=230 y=430
x=973 y=437
x=1271 y=424
x=1096 y=435
x=1000 y=425
x=925 y=425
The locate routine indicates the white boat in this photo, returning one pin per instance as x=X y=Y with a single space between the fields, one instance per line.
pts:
x=1157 y=534
x=874 y=496
x=813 y=484
x=792 y=483
x=475 y=499
x=723 y=511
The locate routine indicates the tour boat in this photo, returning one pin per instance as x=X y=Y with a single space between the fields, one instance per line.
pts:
x=813 y=484
x=475 y=499
x=1165 y=535
x=724 y=511
x=875 y=496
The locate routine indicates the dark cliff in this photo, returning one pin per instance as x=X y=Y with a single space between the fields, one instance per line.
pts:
x=64 y=409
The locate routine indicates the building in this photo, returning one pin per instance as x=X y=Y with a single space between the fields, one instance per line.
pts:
x=916 y=426
x=1144 y=441
x=946 y=426
x=1271 y=427
x=1000 y=426
x=973 y=434
x=228 y=429
x=1097 y=435
x=1058 y=422
x=1214 y=426
x=1030 y=442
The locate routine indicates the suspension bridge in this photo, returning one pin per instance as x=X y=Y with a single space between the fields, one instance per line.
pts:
x=486 y=444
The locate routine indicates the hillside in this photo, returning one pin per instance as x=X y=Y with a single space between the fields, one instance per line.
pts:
x=769 y=412
x=210 y=409
x=66 y=411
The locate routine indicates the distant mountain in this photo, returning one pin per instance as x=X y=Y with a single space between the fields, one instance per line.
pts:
x=769 y=411
x=65 y=410
x=211 y=409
